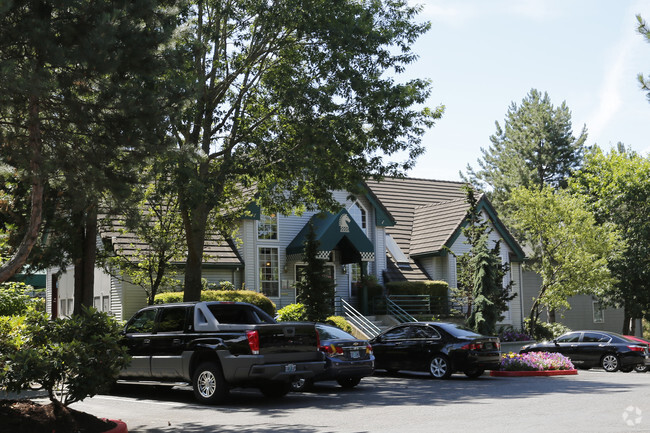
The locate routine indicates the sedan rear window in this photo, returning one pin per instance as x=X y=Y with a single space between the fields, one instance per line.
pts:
x=458 y=330
x=331 y=333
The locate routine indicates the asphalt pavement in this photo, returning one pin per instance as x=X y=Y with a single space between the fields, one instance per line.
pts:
x=592 y=401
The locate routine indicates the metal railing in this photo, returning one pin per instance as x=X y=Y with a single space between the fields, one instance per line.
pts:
x=357 y=319
x=398 y=312
x=413 y=304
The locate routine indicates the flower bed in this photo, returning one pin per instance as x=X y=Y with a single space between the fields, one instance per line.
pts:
x=534 y=364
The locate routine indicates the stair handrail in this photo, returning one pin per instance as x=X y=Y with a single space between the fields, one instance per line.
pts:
x=398 y=312
x=358 y=319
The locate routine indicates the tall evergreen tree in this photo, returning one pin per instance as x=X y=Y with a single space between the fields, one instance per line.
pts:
x=294 y=98
x=535 y=148
x=315 y=290
x=78 y=89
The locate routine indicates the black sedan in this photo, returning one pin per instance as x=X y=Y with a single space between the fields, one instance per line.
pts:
x=588 y=349
x=437 y=347
x=348 y=359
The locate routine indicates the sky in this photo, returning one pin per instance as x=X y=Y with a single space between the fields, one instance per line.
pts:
x=483 y=55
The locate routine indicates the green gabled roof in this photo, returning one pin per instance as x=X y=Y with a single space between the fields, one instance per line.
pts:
x=332 y=231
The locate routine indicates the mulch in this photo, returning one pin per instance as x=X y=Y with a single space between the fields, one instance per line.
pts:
x=26 y=416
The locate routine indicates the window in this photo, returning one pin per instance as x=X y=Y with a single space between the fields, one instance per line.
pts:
x=425 y=332
x=599 y=313
x=572 y=337
x=142 y=323
x=267 y=227
x=591 y=337
x=106 y=305
x=355 y=279
x=269 y=272
x=400 y=333
x=172 y=319
x=359 y=216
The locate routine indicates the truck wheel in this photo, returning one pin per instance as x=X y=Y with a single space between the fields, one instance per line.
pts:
x=276 y=390
x=209 y=384
x=348 y=382
x=301 y=385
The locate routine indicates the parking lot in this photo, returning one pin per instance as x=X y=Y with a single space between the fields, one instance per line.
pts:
x=592 y=401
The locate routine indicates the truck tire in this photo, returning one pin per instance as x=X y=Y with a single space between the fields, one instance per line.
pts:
x=276 y=390
x=208 y=384
x=348 y=382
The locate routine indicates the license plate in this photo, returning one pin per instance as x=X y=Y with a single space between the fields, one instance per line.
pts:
x=354 y=354
x=290 y=368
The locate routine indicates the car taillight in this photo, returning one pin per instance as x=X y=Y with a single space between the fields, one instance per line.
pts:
x=368 y=350
x=636 y=348
x=317 y=340
x=253 y=341
x=473 y=346
x=332 y=350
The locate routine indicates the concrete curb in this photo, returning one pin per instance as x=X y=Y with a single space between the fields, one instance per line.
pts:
x=496 y=373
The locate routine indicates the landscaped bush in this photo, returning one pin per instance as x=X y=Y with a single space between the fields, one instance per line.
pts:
x=222 y=295
x=547 y=331
x=340 y=323
x=535 y=361
x=508 y=333
x=437 y=290
x=292 y=313
x=14 y=299
x=71 y=358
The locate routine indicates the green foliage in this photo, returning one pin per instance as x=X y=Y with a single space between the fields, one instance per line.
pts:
x=291 y=83
x=544 y=331
x=438 y=290
x=71 y=358
x=570 y=251
x=489 y=296
x=292 y=313
x=535 y=148
x=339 y=322
x=315 y=289
x=154 y=227
x=247 y=296
x=14 y=300
x=616 y=187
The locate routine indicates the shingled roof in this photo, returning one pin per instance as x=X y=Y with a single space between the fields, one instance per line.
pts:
x=403 y=196
x=435 y=224
x=218 y=251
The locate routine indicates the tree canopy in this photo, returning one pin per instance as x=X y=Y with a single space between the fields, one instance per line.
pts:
x=616 y=187
x=291 y=98
x=78 y=108
x=535 y=148
x=570 y=251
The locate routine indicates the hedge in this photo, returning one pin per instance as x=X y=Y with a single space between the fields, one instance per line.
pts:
x=248 y=296
x=438 y=290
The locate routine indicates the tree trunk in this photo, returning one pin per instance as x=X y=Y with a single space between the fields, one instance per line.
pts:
x=195 y=227
x=19 y=258
x=626 y=322
x=84 y=264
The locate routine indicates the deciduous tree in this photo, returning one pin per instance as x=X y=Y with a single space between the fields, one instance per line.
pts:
x=294 y=98
x=616 y=186
x=570 y=251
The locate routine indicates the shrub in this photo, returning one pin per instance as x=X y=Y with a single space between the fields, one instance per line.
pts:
x=14 y=300
x=546 y=331
x=71 y=358
x=508 y=333
x=222 y=295
x=535 y=361
x=340 y=323
x=292 y=313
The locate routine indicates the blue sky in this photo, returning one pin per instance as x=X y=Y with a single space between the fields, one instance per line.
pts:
x=482 y=55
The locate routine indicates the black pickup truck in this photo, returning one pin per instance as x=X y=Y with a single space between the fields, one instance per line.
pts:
x=217 y=346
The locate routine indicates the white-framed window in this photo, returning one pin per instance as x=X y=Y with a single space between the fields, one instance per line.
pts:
x=599 y=312
x=355 y=279
x=269 y=271
x=106 y=305
x=267 y=227
x=359 y=215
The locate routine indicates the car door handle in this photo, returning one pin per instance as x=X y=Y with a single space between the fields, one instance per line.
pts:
x=176 y=342
x=146 y=342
